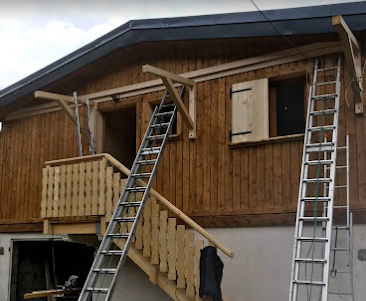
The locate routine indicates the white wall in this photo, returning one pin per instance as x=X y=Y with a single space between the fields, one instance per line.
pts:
x=260 y=269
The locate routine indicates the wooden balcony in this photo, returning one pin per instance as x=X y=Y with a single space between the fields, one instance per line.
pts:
x=78 y=197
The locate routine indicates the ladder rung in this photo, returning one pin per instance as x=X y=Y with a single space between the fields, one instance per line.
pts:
x=83 y=115
x=136 y=189
x=310 y=260
x=165 y=124
x=327 y=69
x=125 y=219
x=315 y=239
x=340 y=227
x=320 y=162
x=321 y=128
x=85 y=129
x=112 y=252
x=323 y=112
x=341 y=166
x=156 y=137
x=318 y=180
x=150 y=151
x=169 y=113
x=98 y=290
x=105 y=271
x=317 y=199
x=320 y=147
x=312 y=219
x=146 y=162
x=339 y=206
x=338 y=293
x=341 y=147
x=326 y=83
x=131 y=204
x=142 y=175
x=169 y=105
x=340 y=186
x=305 y=282
x=325 y=96
x=119 y=235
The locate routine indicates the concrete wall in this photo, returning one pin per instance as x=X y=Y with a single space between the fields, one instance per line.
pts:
x=260 y=269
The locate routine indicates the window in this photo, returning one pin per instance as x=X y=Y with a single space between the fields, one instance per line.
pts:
x=176 y=126
x=287 y=106
x=263 y=109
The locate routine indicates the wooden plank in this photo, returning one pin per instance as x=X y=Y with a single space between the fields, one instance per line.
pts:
x=81 y=206
x=56 y=192
x=69 y=193
x=189 y=261
x=95 y=190
x=62 y=190
x=181 y=282
x=138 y=235
x=52 y=96
x=236 y=179
x=172 y=257
x=88 y=188
x=109 y=193
x=163 y=239
x=116 y=189
x=46 y=293
x=173 y=77
x=75 y=190
x=102 y=187
x=155 y=233
x=197 y=254
x=146 y=230
x=45 y=182
x=51 y=179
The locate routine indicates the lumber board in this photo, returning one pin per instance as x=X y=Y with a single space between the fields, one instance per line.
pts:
x=189 y=264
x=155 y=233
x=163 y=73
x=172 y=257
x=46 y=293
x=163 y=240
x=146 y=230
x=181 y=281
x=197 y=257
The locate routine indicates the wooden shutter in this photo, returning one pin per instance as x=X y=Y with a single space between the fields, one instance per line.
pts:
x=250 y=110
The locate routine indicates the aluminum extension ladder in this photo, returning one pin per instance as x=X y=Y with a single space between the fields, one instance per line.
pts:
x=80 y=129
x=109 y=259
x=311 y=254
x=343 y=264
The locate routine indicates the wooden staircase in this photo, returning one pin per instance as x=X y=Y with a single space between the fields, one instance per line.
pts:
x=164 y=248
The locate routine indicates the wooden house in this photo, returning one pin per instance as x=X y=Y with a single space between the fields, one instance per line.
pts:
x=231 y=180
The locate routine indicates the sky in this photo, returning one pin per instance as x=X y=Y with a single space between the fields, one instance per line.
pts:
x=35 y=33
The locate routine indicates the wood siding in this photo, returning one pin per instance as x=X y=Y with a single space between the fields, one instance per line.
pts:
x=204 y=177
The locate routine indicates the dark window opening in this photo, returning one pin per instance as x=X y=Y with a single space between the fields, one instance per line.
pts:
x=287 y=107
x=174 y=125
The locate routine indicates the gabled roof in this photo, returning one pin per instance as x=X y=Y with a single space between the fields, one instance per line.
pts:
x=294 y=21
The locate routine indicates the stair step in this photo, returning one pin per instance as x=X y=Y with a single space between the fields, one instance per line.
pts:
x=125 y=219
x=112 y=252
x=119 y=235
x=320 y=162
x=136 y=189
x=325 y=96
x=142 y=175
x=323 y=112
x=318 y=180
x=105 y=271
x=147 y=162
x=310 y=239
x=312 y=219
x=314 y=199
x=131 y=204
x=320 y=147
x=322 y=128
x=310 y=260
x=97 y=290
x=150 y=151
x=306 y=282
x=160 y=125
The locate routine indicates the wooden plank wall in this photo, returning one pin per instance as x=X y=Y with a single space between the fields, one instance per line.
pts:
x=204 y=177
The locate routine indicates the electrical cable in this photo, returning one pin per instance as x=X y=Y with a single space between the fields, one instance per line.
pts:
x=279 y=32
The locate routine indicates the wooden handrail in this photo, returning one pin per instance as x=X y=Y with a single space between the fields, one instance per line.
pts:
x=185 y=218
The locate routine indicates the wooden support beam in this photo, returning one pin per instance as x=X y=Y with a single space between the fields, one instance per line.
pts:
x=352 y=56
x=166 y=74
x=47 y=293
x=178 y=102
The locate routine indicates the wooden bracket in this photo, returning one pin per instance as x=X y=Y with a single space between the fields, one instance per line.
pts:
x=352 y=54
x=168 y=78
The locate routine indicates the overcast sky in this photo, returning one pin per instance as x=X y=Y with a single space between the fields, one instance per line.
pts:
x=34 y=33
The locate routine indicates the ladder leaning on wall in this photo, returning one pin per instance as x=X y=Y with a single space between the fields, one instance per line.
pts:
x=313 y=230
x=109 y=259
